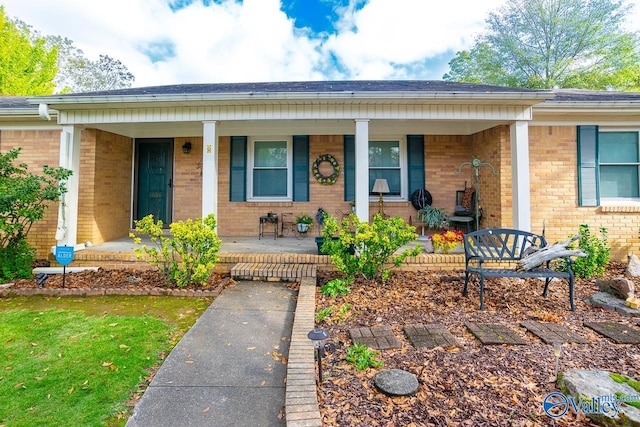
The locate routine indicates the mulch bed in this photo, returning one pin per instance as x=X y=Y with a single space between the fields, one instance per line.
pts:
x=472 y=384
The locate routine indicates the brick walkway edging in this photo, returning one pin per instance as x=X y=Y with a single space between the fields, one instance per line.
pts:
x=85 y=292
x=301 y=398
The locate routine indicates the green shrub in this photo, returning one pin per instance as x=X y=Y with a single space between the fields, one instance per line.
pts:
x=597 y=250
x=188 y=256
x=364 y=249
x=362 y=357
x=16 y=261
x=24 y=199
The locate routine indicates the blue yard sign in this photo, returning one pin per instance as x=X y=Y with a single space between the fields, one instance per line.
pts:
x=64 y=255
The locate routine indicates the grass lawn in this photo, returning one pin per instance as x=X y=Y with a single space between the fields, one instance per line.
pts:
x=77 y=361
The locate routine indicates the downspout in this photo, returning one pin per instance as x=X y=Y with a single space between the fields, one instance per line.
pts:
x=43 y=111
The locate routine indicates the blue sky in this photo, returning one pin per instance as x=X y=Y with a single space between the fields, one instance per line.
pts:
x=211 y=41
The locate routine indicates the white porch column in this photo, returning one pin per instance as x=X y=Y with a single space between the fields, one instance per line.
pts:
x=67 y=229
x=210 y=170
x=362 y=169
x=520 y=176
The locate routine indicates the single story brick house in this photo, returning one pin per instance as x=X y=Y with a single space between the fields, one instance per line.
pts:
x=561 y=157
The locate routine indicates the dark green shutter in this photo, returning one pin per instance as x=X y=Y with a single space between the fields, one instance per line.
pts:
x=301 y=168
x=589 y=194
x=415 y=161
x=238 y=175
x=349 y=167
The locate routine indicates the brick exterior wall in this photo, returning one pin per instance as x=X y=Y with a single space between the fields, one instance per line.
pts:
x=106 y=177
x=554 y=194
x=39 y=148
x=112 y=186
x=493 y=146
x=187 y=180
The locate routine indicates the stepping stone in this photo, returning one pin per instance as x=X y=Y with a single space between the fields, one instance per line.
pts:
x=377 y=337
x=620 y=333
x=491 y=334
x=396 y=382
x=553 y=332
x=430 y=336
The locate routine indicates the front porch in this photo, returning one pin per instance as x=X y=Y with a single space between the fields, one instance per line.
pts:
x=119 y=253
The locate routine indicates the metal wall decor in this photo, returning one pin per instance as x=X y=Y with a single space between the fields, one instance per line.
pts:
x=476 y=164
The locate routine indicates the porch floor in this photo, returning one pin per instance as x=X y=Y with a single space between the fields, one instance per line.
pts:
x=120 y=253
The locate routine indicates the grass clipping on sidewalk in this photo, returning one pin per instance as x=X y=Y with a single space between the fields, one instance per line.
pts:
x=62 y=367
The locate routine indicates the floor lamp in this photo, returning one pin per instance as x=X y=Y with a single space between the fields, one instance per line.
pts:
x=381 y=187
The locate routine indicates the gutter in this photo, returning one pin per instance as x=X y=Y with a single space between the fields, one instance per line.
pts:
x=108 y=99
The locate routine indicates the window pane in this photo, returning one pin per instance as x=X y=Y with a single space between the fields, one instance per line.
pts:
x=270 y=154
x=384 y=154
x=618 y=147
x=269 y=182
x=619 y=181
x=391 y=175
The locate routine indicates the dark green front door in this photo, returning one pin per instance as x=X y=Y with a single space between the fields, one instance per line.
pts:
x=154 y=178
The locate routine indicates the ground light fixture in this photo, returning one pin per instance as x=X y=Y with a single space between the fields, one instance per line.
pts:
x=317 y=336
x=557 y=352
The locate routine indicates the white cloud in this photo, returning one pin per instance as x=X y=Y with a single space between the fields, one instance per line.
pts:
x=254 y=40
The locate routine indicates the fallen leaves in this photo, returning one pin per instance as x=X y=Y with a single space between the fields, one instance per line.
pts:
x=468 y=385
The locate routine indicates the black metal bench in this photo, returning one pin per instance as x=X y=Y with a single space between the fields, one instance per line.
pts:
x=501 y=246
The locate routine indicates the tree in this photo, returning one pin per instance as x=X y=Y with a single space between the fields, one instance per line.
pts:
x=27 y=66
x=547 y=43
x=24 y=199
x=78 y=74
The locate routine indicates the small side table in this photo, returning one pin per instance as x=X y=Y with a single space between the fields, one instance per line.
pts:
x=266 y=219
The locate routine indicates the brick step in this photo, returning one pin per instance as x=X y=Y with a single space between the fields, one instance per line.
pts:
x=272 y=272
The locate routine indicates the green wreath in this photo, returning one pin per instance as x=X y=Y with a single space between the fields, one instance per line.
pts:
x=322 y=179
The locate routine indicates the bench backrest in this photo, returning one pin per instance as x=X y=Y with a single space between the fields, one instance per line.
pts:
x=500 y=244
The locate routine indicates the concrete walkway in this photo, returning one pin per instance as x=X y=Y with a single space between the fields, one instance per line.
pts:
x=228 y=369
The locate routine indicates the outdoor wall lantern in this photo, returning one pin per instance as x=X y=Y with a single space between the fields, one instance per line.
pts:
x=186 y=147
x=317 y=336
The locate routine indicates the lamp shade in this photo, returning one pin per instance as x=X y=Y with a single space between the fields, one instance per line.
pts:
x=380 y=186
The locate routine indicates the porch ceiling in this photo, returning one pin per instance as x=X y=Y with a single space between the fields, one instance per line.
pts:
x=298 y=127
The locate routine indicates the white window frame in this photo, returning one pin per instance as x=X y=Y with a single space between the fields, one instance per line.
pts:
x=251 y=165
x=617 y=201
x=402 y=143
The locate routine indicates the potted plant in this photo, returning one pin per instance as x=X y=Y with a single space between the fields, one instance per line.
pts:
x=447 y=240
x=303 y=222
x=433 y=217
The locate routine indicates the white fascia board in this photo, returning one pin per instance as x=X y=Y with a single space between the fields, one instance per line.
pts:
x=526 y=97
x=627 y=107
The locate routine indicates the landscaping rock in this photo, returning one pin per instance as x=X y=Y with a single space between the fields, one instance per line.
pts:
x=600 y=391
x=633 y=269
x=610 y=303
x=619 y=287
x=396 y=382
